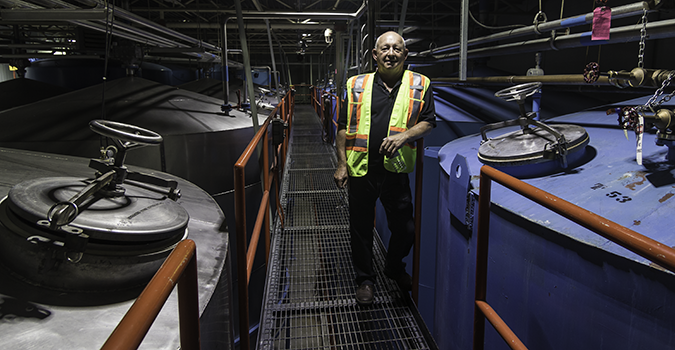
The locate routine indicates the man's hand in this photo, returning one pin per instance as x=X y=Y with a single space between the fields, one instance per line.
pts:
x=391 y=144
x=341 y=174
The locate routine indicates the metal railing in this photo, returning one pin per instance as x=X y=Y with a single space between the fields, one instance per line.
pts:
x=317 y=97
x=627 y=238
x=179 y=268
x=246 y=252
x=329 y=117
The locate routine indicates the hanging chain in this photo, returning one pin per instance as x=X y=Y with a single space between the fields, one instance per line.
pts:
x=652 y=103
x=643 y=37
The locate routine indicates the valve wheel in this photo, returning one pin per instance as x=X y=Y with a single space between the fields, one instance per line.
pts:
x=591 y=73
x=125 y=132
x=628 y=118
x=518 y=92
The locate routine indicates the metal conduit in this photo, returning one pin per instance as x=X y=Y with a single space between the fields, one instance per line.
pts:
x=617 y=12
x=655 y=30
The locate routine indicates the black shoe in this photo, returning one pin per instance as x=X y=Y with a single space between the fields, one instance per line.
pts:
x=402 y=278
x=364 y=294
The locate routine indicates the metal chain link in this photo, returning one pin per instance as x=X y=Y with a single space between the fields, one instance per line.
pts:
x=652 y=103
x=643 y=37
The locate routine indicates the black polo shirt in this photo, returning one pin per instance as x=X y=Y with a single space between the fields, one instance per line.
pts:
x=382 y=106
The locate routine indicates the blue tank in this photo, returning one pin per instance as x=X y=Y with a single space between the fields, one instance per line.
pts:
x=556 y=284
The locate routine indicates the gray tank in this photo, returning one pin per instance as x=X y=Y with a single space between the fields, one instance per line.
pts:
x=200 y=142
x=67 y=287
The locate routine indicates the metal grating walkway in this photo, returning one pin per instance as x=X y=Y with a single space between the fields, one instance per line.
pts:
x=309 y=293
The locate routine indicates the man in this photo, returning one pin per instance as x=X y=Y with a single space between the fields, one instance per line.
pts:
x=384 y=113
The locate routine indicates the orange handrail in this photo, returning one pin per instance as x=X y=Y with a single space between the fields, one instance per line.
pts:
x=246 y=252
x=625 y=237
x=179 y=268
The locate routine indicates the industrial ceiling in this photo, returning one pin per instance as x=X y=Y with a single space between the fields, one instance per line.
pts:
x=307 y=30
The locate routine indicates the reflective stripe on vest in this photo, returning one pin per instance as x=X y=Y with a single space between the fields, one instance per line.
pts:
x=406 y=110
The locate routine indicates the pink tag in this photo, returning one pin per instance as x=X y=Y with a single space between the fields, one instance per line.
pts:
x=602 y=19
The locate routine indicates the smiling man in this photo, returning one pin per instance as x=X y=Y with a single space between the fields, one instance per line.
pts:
x=383 y=114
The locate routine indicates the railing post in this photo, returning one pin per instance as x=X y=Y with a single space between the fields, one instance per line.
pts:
x=242 y=275
x=188 y=307
x=266 y=187
x=482 y=239
x=419 y=171
x=179 y=268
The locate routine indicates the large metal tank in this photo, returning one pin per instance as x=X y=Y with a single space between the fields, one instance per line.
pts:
x=66 y=287
x=23 y=91
x=555 y=283
x=200 y=142
x=79 y=73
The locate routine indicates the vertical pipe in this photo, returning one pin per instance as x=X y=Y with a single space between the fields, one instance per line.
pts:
x=339 y=58
x=359 y=62
x=419 y=173
x=401 y=21
x=343 y=76
x=247 y=67
x=274 y=63
x=226 y=81
x=370 y=41
x=482 y=239
x=464 y=38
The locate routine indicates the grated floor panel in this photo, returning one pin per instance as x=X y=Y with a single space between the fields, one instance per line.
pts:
x=309 y=292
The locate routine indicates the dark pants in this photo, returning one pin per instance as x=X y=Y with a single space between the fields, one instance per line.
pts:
x=394 y=192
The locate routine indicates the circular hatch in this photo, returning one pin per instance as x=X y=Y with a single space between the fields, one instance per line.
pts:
x=114 y=243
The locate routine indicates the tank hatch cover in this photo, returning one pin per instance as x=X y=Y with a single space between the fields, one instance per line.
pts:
x=140 y=215
x=533 y=146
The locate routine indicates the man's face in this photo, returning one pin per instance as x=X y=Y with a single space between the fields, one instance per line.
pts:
x=390 y=53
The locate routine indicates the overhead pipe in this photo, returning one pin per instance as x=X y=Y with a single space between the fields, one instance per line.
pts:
x=52 y=14
x=560 y=79
x=297 y=26
x=148 y=38
x=132 y=33
x=656 y=30
x=162 y=29
x=328 y=15
x=617 y=12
